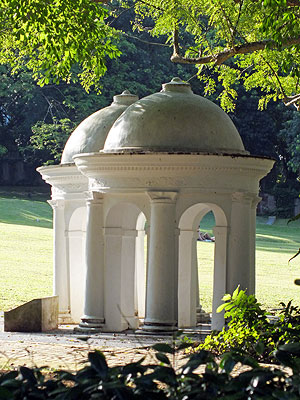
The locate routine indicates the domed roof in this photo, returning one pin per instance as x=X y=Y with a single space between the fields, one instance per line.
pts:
x=174 y=120
x=91 y=133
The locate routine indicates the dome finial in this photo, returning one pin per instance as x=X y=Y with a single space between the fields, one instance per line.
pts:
x=125 y=98
x=177 y=80
x=177 y=85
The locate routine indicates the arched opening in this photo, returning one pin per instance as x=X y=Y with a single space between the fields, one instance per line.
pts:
x=205 y=257
x=125 y=270
x=192 y=256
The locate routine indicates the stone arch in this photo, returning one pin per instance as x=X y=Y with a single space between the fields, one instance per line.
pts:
x=188 y=266
x=124 y=266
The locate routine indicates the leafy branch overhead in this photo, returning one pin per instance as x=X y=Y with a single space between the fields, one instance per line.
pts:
x=255 y=42
x=252 y=42
x=57 y=40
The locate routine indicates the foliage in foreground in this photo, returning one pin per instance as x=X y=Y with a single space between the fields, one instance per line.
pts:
x=162 y=381
x=249 y=330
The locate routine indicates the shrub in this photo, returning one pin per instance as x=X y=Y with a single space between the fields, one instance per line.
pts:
x=250 y=331
x=160 y=380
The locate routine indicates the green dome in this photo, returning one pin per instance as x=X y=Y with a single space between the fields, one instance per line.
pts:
x=91 y=133
x=174 y=120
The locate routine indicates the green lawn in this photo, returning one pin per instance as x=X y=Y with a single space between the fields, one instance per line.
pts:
x=26 y=254
x=275 y=245
x=26 y=248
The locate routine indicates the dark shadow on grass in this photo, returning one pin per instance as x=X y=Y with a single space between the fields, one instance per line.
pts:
x=28 y=208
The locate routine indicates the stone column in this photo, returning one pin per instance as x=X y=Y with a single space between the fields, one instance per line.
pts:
x=240 y=262
x=219 y=282
x=93 y=318
x=61 y=278
x=188 y=288
x=120 y=279
x=128 y=268
x=140 y=274
x=162 y=276
x=254 y=203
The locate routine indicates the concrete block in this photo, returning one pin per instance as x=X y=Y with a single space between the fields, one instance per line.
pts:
x=37 y=315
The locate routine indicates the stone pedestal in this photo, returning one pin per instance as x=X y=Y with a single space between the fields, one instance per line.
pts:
x=37 y=315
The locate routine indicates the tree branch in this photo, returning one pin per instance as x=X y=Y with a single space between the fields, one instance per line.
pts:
x=295 y=100
x=289 y=3
x=144 y=41
x=222 y=56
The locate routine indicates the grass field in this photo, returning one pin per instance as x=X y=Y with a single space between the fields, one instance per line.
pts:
x=25 y=248
x=275 y=245
x=26 y=254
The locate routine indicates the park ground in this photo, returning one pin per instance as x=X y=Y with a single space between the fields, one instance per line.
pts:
x=26 y=273
x=26 y=253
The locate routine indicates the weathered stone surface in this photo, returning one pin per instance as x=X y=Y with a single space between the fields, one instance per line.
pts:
x=90 y=135
x=35 y=316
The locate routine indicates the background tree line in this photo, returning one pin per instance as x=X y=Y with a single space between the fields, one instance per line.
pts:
x=134 y=42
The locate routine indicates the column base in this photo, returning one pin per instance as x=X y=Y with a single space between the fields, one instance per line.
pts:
x=159 y=327
x=64 y=318
x=90 y=325
x=202 y=316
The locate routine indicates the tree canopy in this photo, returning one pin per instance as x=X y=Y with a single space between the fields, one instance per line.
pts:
x=36 y=121
x=249 y=41
x=57 y=39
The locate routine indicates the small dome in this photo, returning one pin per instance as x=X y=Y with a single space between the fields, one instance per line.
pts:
x=174 y=120
x=90 y=134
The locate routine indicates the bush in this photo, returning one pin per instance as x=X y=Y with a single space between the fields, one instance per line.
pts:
x=160 y=380
x=250 y=331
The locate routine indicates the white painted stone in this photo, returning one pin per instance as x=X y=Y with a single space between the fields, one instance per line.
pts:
x=168 y=159
x=93 y=317
x=161 y=292
x=90 y=135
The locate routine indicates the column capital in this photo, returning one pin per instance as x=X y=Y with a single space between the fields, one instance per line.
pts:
x=245 y=197
x=55 y=204
x=162 y=197
x=255 y=201
x=93 y=197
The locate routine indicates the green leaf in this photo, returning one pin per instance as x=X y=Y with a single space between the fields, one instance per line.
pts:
x=235 y=293
x=259 y=347
x=28 y=374
x=293 y=348
x=226 y=297
x=221 y=308
x=227 y=363
x=98 y=362
x=163 y=358
x=163 y=348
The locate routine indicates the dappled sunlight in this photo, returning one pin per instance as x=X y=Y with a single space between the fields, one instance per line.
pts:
x=25 y=212
x=27 y=215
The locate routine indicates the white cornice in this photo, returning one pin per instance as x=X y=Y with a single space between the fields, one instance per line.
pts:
x=161 y=172
x=66 y=180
